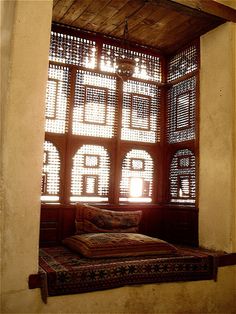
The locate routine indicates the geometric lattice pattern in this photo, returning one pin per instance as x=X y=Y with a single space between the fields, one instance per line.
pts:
x=140 y=112
x=57 y=97
x=136 y=176
x=91 y=111
x=73 y=50
x=183 y=63
x=82 y=107
x=147 y=67
x=181 y=111
x=90 y=174
x=183 y=177
x=51 y=173
x=94 y=105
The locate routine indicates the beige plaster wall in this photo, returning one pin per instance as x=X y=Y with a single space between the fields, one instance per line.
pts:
x=7 y=21
x=217 y=139
x=199 y=297
x=23 y=123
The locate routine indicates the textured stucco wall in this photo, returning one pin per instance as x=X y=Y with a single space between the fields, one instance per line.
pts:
x=7 y=21
x=22 y=139
x=217 y=139
x=198 y=297
x=22 y=159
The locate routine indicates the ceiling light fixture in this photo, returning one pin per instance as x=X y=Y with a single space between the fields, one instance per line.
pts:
x=125 y=66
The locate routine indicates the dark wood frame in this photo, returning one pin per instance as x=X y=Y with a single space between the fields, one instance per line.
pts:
x=173 y=222
x=68 y=143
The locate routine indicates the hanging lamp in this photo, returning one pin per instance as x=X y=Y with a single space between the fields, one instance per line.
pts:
x=125 y=66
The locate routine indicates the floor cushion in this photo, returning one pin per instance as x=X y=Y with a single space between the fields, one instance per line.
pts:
x=120 y=244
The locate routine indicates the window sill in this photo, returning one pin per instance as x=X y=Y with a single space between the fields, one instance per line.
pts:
x=124 y=205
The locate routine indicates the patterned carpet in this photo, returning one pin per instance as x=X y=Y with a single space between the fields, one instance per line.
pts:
x=66 y=272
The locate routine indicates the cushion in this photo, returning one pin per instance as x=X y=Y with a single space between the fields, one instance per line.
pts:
x=97 y=245
x=91 y=219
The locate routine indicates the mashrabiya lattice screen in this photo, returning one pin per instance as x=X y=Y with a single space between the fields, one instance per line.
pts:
x=94 y=111
x=94 y=105
x=140 y=112
x=90 y=174
x=147 y=67
x=136 y=176
x=73 y=50
x=183 y=63
x=57 y=95
x=181 y=111
x=182 y=178
x=51 y=173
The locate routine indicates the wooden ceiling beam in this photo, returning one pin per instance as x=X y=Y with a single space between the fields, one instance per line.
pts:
x=210 y=7
x=162 y=24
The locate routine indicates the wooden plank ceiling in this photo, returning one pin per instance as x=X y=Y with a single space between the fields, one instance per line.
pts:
x=163 y=24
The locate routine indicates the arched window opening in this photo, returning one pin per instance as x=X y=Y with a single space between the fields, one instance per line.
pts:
x=183 y=177
x=90 y=174
x=136 y=177
x=51 y=173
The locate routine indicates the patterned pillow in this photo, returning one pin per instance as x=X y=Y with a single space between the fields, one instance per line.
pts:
x=90 y=219
x=95 y=245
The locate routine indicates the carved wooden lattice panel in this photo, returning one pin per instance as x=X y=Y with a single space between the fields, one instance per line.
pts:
x=51 y=173
x=181 y=111
x=140 y=112
x=57 y=95
x=73 y=50
x=94 y=105
x=147 y=67
x=90 y=174
x=136 y=176
x=183 y=63
x=183 y=177
x=85 y=105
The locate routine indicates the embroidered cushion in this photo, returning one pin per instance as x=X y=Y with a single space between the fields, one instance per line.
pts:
x=95 y=245
x=90 y=219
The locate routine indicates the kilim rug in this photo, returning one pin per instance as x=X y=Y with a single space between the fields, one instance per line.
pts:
x=66 y=272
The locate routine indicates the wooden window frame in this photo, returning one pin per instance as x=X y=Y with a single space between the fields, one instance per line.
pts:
x=160 y=151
